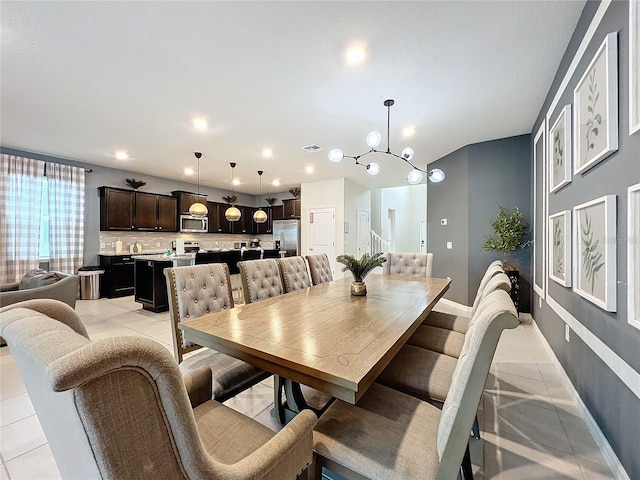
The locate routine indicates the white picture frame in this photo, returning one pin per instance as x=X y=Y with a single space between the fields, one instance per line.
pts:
x=595 y=113
x=633 y=255
x=539 y=211
x=559 y=248
x=634 y=67
x=594 y=251
x=559 y=154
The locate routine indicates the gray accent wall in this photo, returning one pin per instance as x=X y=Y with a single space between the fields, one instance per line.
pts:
x=479 y=177
x=114 y=177
x=613 y=404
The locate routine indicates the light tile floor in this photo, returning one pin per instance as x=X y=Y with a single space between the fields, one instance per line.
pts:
x=531 y=428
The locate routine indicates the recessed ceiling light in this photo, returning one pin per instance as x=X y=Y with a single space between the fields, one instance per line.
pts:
x=355 y=55
x=309 y=169
x=276 y=182
x=122 y=155
x=236 y=181
x=189 y=171
x=200 y=123
x=409 y=130
x=267 y=152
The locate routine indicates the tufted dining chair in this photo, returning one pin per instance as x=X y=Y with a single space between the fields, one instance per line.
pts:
x=408 y=264
x=260 y=279
x=389 y=434
x=294 y=273
x=120 y=408
x=195 y=291
x=319 y=268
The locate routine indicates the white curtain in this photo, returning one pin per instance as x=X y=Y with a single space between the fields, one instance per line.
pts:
x=20 y=213
x=66 y=216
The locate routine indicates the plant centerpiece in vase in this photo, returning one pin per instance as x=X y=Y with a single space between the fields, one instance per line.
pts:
x=509 y=230
x=360 y=269
x=270 y=200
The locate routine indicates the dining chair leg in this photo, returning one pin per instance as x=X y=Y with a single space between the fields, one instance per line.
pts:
x=467 y=470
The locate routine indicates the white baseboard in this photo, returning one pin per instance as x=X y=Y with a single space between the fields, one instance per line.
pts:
x=602 y=442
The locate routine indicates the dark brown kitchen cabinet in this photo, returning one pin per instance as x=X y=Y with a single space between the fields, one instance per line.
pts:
x=117 y=280
x=186 y=199
x=128 y=210
x=116 y=209
x=266 y=227
x=224 y=225
x=245 y=224
x=277 y=212
x=214 y=219
x=291 y=208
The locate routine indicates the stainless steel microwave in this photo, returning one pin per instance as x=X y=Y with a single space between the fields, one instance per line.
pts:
x=194 y=224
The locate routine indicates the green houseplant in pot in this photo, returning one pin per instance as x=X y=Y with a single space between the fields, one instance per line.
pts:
x=360 y=268
x=509 y=230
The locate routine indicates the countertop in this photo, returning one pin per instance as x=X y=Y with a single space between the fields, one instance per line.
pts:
x=162 y=257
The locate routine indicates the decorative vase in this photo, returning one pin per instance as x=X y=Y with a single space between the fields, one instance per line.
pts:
x=358 y=288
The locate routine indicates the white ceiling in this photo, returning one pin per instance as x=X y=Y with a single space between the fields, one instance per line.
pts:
x=81 y=80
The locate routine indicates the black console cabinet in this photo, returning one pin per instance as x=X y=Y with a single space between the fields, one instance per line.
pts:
x=150 y=284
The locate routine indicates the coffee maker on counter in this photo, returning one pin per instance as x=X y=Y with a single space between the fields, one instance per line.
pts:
x=254 y=243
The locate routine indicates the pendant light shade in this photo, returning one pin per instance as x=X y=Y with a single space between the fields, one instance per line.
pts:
x=260 y=216
x=198 y=209
x=232 y=213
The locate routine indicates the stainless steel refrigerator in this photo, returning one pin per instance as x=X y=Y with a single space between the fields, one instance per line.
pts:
x=286 y=234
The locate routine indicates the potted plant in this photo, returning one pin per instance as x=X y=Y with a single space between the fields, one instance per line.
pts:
x=295 y=192
x=231 y=199
x=509 y=230
x=360 y=269
x=135 y=184
x=270 y=200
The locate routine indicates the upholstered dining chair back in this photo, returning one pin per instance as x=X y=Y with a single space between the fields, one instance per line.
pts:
x=408 y=264
x=469 y=377
x=119 y=408
x=294 y=273
x=493 y=269
x=319 y=268
x=260 y=279
x=195 y=291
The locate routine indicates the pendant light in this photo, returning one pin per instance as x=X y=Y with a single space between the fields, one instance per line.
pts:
x=374 y=139
x=198 y=209
x=232 y=214
x=260 y=216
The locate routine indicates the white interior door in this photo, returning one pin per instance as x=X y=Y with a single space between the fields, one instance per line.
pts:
x=363 y=232
x=322 y=234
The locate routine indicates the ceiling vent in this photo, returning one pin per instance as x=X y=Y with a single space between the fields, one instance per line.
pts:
x=313 y=148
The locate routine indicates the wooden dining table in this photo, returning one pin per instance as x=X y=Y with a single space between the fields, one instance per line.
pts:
x=323 y=336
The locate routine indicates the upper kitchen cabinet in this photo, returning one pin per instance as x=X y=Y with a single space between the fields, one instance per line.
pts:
x=291 y=208
x=186 y=199
x=116 y=209
x=129 y=210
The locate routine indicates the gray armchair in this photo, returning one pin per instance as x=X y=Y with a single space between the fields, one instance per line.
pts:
x=65 y=290
x=119 y=408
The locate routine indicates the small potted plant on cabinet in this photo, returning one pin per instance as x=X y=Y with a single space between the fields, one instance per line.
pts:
x=509 y=231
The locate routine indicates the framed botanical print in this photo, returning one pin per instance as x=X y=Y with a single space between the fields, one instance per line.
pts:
x=559 y=156
x=539 y=211
x=560 y=248
x=633 y=255
x=634 y=67
x=594 y=251
x=595 y=113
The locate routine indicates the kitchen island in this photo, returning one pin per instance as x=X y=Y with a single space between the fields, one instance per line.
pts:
x=150 y=286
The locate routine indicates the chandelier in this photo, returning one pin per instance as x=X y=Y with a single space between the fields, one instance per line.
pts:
x=198 y=209
x=374 y=139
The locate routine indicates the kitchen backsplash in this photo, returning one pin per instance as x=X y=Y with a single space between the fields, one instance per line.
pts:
x=156 y=242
